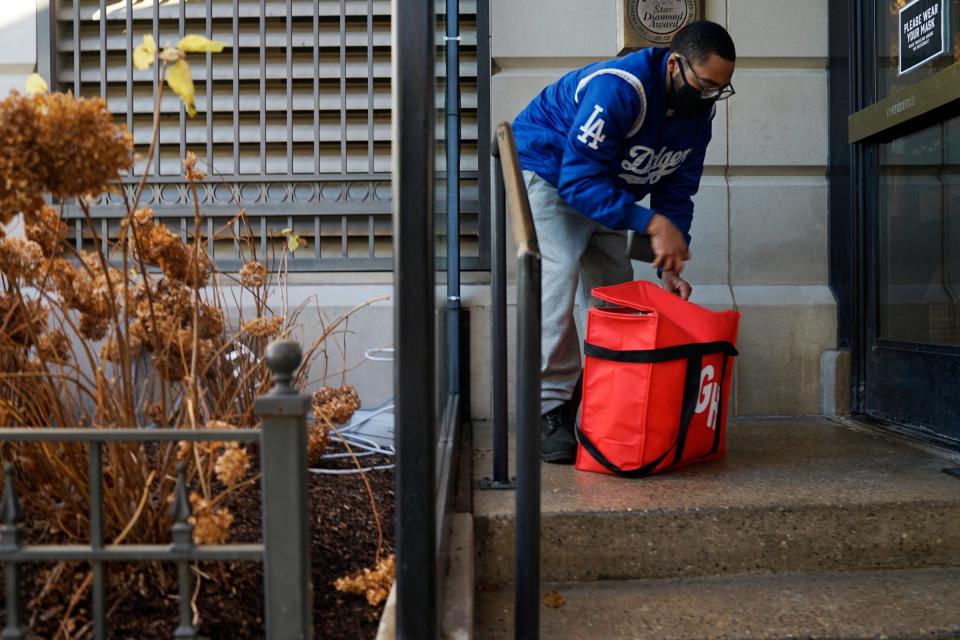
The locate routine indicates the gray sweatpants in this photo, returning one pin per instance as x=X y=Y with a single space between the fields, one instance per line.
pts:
x=576 y=251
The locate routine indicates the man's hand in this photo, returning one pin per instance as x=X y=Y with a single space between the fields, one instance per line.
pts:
x=668 y=244
x=676 y=285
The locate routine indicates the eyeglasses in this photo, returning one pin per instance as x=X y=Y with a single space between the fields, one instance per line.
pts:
x=710 y=93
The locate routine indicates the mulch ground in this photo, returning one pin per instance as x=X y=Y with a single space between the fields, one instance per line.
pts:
x=343 y=541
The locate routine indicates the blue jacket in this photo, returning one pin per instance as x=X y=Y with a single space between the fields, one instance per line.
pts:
x=602 y=137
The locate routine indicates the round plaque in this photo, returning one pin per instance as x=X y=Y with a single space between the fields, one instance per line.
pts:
x=658 y=20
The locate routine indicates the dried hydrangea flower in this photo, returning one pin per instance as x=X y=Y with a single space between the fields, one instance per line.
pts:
x=253 y=274
x=143 y=215
x=373 y=583
x=93 y=327
x=232 y=465
x=57 y=143
x=160 y=246
x=82 y=149
x=20 y=258
x=47 y=229
x=190 y=168
x=210 y=321
x=154 y=412
x=54 y=346
x=210 y=526
x=336 y=404
x=21 y=169
x=263 y=327
x=318 y=438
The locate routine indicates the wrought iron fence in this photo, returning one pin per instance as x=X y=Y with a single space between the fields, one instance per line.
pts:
x=294 y=118
x=284 y=552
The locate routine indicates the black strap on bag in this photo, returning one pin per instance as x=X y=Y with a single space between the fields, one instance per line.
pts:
x=693 y=354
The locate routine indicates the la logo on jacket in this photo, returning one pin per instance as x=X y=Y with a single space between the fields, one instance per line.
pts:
x=709 y=398
x=592 y=131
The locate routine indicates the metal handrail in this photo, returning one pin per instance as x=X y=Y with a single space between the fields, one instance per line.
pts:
x=526 y=603
x=518 y=205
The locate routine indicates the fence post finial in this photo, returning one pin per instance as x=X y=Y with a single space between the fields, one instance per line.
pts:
x=283 y=358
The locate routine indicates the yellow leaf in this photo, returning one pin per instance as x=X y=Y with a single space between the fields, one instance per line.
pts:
x=36 y=84
x=554 y=600
x=293 y=242
x=181 y=81
x=145 y=53
x=199 y=44
x=286 y=231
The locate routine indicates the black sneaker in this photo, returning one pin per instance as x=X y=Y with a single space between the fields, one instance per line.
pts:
x=557 y=442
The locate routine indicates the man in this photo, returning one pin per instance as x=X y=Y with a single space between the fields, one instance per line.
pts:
x=592 y=145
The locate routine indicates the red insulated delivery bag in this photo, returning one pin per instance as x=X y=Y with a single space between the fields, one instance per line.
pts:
x=656 y=376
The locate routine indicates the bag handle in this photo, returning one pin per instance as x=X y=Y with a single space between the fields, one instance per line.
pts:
x=610 y=295
x=693 y=353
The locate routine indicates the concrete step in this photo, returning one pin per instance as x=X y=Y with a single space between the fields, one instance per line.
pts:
x=793 y=495
x=897 y=605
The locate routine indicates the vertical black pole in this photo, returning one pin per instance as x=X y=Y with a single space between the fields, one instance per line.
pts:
x=95 y=480
x=498 y=304
x=47 y=42
x=527 y=605
x=414 y=325
x=452 y=109
x=484 y=148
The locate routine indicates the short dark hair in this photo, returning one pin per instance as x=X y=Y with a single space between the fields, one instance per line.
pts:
x=699 y=40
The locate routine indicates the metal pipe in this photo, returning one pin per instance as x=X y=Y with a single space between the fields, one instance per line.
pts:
x=527 y=605
x=452 y=141
x=483 y=126
x=498 y=357
x=414 y=277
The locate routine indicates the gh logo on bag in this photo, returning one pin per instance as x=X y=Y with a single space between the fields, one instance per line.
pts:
x=709 y=397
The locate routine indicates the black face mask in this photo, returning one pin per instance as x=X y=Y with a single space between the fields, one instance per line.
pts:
x=685 y=100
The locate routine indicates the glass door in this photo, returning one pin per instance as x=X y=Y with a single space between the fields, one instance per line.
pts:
x=911 y=225
x=913 y=359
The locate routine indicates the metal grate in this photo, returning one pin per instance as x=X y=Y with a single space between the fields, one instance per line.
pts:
x=293 y=118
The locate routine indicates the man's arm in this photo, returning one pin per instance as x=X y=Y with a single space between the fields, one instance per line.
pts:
x=673 y=197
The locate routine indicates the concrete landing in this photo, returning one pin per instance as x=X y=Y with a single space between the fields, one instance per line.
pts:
x=897 y=605
x=793 y=495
